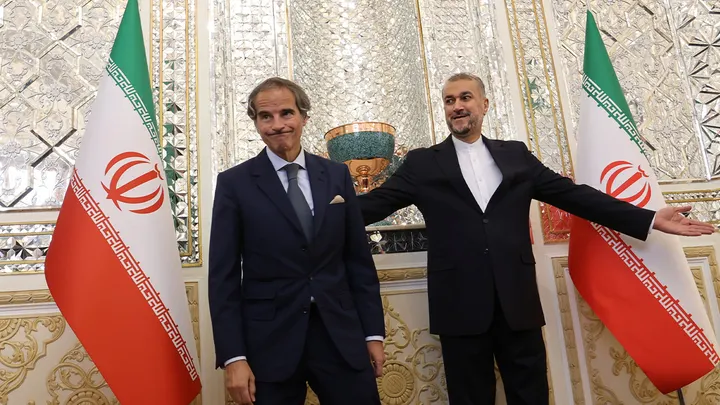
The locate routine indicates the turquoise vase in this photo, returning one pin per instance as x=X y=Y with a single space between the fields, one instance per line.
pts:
x=365 y=147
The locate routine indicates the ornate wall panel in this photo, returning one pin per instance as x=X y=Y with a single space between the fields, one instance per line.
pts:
x=641 y=42
x=173 y=62
x=42 y=362
x=361 y=61
x=657 y=50
x=50 y=64
x=413 y=372
x=23 y=246
x=51 y=59
x=542 y=106
x=461 y=36
x=249 y=44
x=705 y=203
x=663 y=54
x=597 y=359
x=695 y=24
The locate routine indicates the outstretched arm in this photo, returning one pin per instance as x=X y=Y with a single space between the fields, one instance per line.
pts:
x=591 y=204
x=395 y=193
x=588 y=203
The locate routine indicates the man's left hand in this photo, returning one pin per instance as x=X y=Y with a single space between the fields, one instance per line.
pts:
x=377 y=356
x=671 y=220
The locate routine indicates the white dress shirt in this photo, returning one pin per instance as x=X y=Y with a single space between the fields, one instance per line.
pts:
x=479 y=170
x=304 y=184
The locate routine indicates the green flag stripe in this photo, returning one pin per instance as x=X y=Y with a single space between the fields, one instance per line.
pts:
x=611 y=108
x=141 y=107
x=602 y=84
x=129 y=68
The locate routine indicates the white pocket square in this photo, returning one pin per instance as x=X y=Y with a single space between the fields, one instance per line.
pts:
x=337 y=200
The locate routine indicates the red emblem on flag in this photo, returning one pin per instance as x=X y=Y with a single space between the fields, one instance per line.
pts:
x=134 y=181
x=626 y=182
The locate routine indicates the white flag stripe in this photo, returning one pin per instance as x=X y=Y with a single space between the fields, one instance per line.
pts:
x=116 y=128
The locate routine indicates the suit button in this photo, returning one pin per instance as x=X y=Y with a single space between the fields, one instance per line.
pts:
x=485 y=220
x=486 y=251
x=305 y=310
x=310 y=278
x=304 y=249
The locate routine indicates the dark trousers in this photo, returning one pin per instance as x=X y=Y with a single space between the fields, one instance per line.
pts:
x=328 y=374
x=520 y=356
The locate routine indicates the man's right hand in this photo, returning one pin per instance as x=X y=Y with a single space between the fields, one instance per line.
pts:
x=240 y=382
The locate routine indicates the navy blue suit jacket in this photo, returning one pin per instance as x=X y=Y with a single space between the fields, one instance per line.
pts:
x=264 y=314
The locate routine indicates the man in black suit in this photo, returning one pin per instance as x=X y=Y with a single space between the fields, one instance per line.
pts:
x=293 y=290
x=475 y=196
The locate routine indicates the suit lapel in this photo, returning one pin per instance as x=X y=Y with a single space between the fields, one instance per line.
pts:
x=269 y=182
x=319 y=184
x=446 y=157
x=448 y=161
x=503 y=159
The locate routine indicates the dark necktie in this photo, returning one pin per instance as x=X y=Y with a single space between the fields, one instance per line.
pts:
x=297 y=199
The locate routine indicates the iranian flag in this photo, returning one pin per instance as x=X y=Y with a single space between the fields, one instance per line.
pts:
x=113 y=266
x=642 y=291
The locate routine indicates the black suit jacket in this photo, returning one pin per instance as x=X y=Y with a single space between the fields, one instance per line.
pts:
x=472 y=254
x=263 y=314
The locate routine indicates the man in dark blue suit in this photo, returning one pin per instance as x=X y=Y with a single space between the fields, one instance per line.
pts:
x=294 y=294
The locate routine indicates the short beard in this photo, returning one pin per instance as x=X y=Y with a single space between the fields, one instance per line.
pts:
x=462 y=133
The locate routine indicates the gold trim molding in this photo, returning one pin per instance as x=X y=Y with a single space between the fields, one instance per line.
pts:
x=414 y=273
x=25 y=297
x=192 y=291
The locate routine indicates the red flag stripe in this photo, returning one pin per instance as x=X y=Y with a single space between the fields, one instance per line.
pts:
x=627 y=297
x=659 y=291
x=111 y=295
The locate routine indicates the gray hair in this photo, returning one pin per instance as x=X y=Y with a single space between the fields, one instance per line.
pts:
x=301 y=98
x=467 y=76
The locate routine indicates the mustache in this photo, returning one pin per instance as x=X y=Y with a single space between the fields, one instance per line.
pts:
x=460 y=114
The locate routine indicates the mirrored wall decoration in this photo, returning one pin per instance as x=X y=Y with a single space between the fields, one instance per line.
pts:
x=51 y=59
x=360 y=61
x=249 y=44
x=642 y=43
x=542 y=107
x=173 y=63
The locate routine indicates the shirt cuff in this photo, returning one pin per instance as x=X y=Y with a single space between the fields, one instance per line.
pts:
x=652 y=224
x=374 y=338
x=234 y=359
